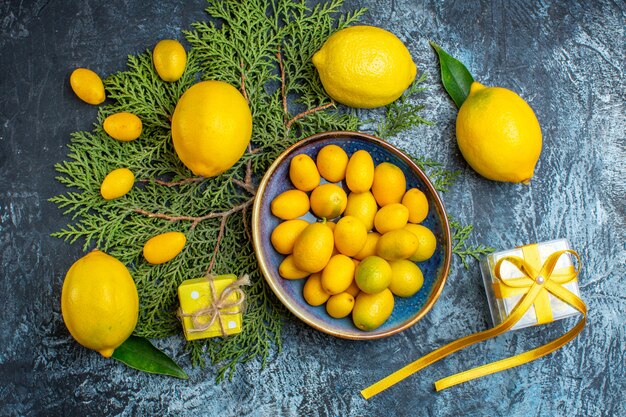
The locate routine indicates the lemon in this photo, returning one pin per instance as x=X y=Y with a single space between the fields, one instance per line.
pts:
x=285 y=234
x=364 y=66
x=427 y=242
x=372 y=310
x=417 y=203
x=117 y=183
x=350 y=235
x=391 y=217
x=338 y=274
x=87 y=85
x=328 y=201
x=313 y=292
x=340 y=305
x=332 y=162
x=369 y=248
x=313 y=248
x=360 y=172
x=288 y=269
x=99 y=302
x=362 y=206
x=211 y=127
x=303 y=172
x=290 y=204
x=123 y=126
x=406 y=278
x=397 y=244
x=169 y=59
x=373 y=275
x=498 y=134
x=389 y=184
x=164 y=247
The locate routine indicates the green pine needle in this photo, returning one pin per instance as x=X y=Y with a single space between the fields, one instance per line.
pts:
x=460 y=245
x=403 y=114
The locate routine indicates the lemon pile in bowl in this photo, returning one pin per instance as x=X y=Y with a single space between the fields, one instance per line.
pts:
x=362 y=251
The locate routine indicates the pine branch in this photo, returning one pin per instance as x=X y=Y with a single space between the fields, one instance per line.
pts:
x=238 y=45
x=403 y=114
x=461 y=247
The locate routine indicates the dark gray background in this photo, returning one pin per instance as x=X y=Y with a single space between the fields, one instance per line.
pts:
x=565 y=58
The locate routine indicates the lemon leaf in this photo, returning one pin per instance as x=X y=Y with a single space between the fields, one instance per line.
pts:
x=139 y=353
x=456 y=79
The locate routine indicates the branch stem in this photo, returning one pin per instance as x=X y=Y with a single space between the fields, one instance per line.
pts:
x=307 y=112
x=173 y=183
x=195 y=220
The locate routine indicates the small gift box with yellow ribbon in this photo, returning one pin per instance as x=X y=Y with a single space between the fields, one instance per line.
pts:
x=531 y=285
x=504 y=292
x=211 y=306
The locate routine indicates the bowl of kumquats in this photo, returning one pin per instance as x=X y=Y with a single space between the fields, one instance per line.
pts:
x=351 y=235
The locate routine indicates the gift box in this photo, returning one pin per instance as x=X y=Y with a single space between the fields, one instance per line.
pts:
x=211 y=306
x=504 y=294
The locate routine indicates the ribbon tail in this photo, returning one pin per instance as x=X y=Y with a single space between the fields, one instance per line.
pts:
x=511 y=362
x=525 y=357
x=455 y=346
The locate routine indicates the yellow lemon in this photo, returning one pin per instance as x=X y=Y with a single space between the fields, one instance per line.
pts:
x=397 y=244
x=427 y=242
x=290 y=204
x=123 y=126
x=350 y=235
x=328 y=201
x=117 y=183
x=406 y=278
x=340 y=305
x=87 y=85
x=363 y=207
x=391 y=217
x=498 y=134
x=211 y=127
x=389 y=184
x=99 y=302
x=169 y=58
x=360 y=172
x=372 y=310
x=313 y=292
x=313 y=248
x=288 y=269
x=338 y=274
x=364 y=66
x=369 y=248
x=303 y=172
x=417 y=203
x=373 y=275
x=332 y=162
x=285 y=234
x=164 y=247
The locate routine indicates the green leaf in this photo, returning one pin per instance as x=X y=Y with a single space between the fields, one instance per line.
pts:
x=456 y=79
x=139 y=353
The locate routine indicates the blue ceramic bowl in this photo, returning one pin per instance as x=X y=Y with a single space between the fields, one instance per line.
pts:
x=407 y=311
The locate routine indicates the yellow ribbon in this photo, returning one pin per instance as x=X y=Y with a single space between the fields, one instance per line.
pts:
x=543 y=281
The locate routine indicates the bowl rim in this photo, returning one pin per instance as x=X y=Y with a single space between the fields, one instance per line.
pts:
x=439 y=206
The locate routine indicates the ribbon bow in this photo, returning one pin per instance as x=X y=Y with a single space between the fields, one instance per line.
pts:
x=534 y=283
x=218 y=306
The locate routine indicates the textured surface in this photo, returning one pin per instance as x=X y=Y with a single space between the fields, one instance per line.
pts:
x=565 y=58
